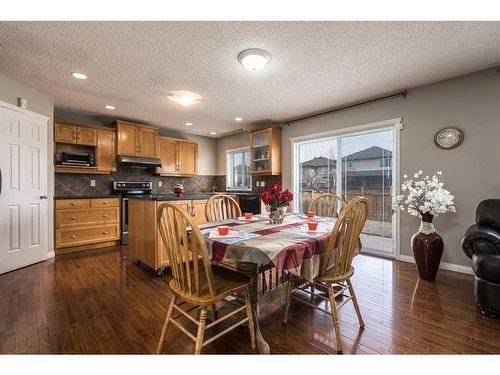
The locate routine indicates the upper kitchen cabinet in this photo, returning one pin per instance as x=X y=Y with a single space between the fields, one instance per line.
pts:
x=85 y=135
x=168 y=149
x=136 y=139
x=178 y=157
x=265 y=147
x=106 y=150
x=188 y=158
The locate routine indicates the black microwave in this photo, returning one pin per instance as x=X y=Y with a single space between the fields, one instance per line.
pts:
x=78 y=159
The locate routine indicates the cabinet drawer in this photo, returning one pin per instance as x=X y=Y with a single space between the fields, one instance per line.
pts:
x=62 y=204
x=81 y=236
x=105 y=202
x=68 y=218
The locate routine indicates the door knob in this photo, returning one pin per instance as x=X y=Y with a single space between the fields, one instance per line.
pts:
x=43 y=197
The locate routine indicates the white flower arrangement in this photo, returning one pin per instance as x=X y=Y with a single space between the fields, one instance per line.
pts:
x=424 y=195
x=179 y=186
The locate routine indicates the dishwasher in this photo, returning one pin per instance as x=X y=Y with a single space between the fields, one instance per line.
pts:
x=249 y=203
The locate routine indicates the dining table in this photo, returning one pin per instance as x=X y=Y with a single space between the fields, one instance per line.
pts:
x=255 y=246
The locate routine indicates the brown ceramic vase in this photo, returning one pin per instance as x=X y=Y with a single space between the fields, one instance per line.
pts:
x=427 y=251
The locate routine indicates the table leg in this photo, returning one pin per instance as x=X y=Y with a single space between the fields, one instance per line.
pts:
x=252 y=271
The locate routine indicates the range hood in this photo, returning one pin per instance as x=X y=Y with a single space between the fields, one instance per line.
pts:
x=138 y=161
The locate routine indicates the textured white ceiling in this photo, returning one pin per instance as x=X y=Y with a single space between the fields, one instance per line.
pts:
x=314 y=65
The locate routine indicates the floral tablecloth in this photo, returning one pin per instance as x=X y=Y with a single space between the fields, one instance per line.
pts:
x=286 y=245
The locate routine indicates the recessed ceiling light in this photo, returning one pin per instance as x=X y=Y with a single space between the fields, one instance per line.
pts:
x=253 y=59
x=110 y=107
x=188 y=124
x=79 y=75
x=213 y=133
x=184 y=98
x=238 y=119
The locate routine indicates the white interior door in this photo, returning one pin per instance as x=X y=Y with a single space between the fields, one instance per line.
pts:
x=23 y=195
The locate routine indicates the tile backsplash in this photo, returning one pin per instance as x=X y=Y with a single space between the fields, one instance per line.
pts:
x=67 y=184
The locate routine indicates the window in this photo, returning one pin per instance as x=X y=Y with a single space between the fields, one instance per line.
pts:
x=238 y=169
x=352 y=164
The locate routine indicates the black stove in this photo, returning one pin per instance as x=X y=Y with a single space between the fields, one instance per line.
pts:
x=125 y=189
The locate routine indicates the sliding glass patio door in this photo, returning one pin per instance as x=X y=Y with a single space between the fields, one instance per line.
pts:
x=350 y=165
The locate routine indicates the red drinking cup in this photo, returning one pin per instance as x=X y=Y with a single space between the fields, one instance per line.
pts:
x=223 y=230
x=313 y=225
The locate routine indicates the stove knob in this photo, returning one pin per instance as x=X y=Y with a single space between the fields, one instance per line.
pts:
x=144 y=185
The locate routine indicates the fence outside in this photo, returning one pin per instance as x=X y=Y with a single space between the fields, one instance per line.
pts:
x=380 y=203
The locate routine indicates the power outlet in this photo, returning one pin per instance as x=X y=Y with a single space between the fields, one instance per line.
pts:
x=92 y=183
x=160 y=183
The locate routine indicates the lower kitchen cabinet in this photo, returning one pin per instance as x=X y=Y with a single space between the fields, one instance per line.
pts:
x=145 y=242
x=86 y=223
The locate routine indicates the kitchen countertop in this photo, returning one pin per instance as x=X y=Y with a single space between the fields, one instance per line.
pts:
x=86 y=196
x=158 y=197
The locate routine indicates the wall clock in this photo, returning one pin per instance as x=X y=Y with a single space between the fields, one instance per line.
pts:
x=449 y=137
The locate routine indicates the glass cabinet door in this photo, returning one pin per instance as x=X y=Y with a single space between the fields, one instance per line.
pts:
x=260 y=151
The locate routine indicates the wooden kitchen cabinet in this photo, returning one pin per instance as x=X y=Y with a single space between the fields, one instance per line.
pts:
x=136 y=139
x=64 y=133
x=147 y=142
x=86 y=136
x=106 y=150
x=75 y=134
x=178 y=157
x=82 y=224
x=198 y=210
x=188 y=158
x=265 y=151
x=145 y=241
x=167 y=149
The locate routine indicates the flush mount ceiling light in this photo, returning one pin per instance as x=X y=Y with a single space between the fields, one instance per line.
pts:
x=184 y=98
x=109 y=107
x=79 y=75
x=238 y=119
x=213 y=133
x=253 y=59
x=188 y=124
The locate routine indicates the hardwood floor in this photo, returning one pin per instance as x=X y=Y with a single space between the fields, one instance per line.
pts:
x=100 y=302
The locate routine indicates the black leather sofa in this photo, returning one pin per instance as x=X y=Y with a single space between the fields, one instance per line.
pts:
x=481 y=242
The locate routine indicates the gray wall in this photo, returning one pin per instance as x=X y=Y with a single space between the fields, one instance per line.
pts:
x=38 y=102
x=471 y=171
x=207 y=147
x=229 y=143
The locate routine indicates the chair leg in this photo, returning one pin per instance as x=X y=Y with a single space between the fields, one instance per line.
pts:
x=288 y=299
x=333 y=308
x=214 y=313
x=201 y=330
x=251 y=327
x=312 y=292
x=165 y=326
x=355 y=302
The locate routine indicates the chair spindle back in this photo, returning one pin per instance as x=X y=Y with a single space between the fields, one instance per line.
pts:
x=328 y=204
x=221 y=207
x=344 y=239
x=187 y=255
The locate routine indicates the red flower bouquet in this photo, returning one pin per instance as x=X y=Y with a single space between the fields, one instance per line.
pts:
x=275 y=197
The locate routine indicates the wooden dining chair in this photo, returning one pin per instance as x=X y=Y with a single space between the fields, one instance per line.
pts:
x=221 y=207
x=335 y=268
x=195 y=281
x=330 y=205
x=327 y=204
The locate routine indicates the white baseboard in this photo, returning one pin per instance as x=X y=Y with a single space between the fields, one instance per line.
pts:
x=443 y=265
x=51 y=254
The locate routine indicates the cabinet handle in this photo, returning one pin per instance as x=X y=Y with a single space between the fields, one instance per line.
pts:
x=105 y=202
x=104 y=232
x=73 y=217
x=104 y=215
x=73 y=236
x=73 y=203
